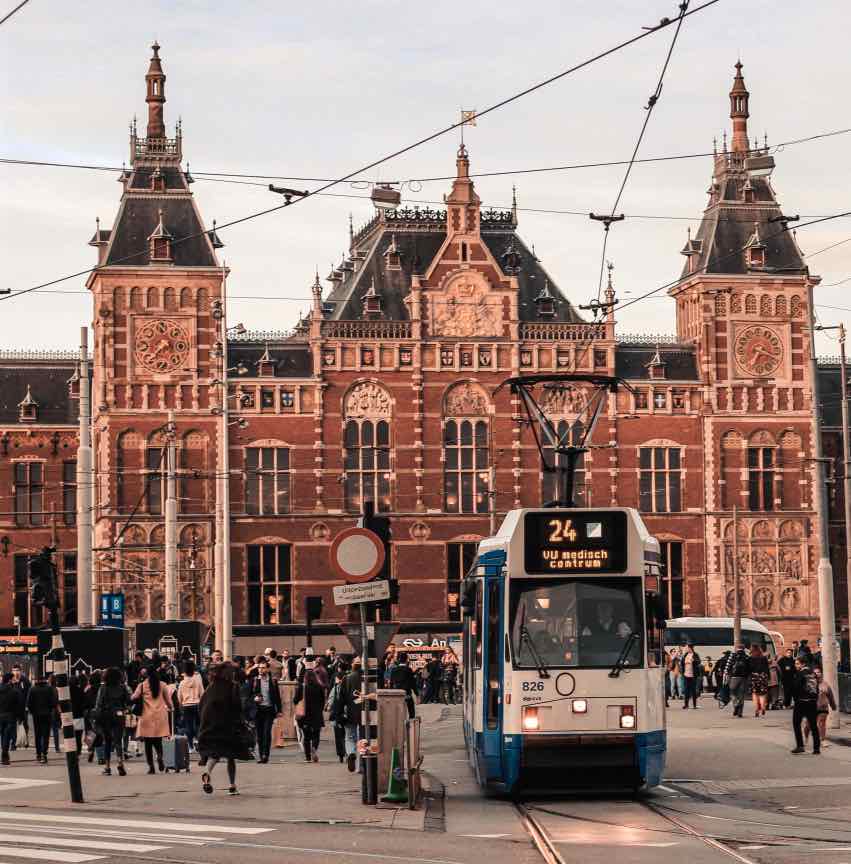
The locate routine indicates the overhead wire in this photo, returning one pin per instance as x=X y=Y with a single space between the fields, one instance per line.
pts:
x=401 y=151
x=649 y=108
x=8 y=15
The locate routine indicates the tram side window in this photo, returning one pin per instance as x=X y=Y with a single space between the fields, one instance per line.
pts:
x=477 y=625
x=494 y=646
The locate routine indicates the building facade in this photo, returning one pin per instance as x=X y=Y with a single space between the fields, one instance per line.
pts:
x=389 y=391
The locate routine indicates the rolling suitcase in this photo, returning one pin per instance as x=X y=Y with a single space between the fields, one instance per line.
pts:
x=176 y=753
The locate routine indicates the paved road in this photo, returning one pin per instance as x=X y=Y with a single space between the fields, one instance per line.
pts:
x=732 y=792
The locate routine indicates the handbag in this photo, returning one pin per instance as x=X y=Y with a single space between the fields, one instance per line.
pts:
x=22 y=737
x=299 y=710
x=137 y=707
x=246 y=741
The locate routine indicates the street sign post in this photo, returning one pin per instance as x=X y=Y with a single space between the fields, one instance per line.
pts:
x=362 y=592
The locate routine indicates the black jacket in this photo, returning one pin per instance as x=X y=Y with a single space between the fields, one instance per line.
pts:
x=402 y=678
x=110 y=701
x=313 y=698
x=787 y=667
x=800 y=682
x=42 y=700
x=739 y=665
x=274 y=695
x=221 y=722
x=11 y=702
x=352 y=685
x=759 y=665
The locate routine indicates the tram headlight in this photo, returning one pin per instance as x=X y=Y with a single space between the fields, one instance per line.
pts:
x=627 y=717
x=580 y=706
x=531 y=722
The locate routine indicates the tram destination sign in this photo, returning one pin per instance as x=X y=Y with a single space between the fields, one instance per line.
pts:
x=579 y=541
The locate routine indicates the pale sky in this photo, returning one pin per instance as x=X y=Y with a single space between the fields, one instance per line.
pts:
x=315 y=90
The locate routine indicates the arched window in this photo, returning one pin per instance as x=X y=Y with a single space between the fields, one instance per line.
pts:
x=366 y=464
x=465 y=466
x=567 y=434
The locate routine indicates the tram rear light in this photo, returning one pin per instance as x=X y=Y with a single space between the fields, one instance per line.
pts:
x=627 y=717
x=580 y=706
x=531 y=723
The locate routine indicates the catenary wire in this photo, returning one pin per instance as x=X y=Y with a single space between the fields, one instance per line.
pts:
x=648 y=113
x=434 y=135
x=8 y=15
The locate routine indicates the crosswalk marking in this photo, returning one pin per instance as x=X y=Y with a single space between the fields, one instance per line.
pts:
x=80 y=821
x=49 y=855
x=72 y=843
x=13 y=784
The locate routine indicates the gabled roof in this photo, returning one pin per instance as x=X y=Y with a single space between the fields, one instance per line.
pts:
x=46 y=382
x=417 y=241
x=633 y=362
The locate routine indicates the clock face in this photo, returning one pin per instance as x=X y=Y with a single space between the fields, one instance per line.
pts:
x=162 y=346
x=759 y=351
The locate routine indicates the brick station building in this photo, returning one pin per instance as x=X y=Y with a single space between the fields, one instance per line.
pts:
x=388 y=391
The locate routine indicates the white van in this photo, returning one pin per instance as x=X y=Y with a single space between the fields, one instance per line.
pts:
x=711 y=637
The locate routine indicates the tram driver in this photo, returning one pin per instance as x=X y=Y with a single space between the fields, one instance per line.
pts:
x=604 y=623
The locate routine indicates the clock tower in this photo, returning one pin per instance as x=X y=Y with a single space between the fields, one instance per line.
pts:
x=155 y=292
x=742 y=302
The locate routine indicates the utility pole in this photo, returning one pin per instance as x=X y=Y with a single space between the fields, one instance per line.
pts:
x=172 y=608
x=87 y=602
x=737 y=603
x=846 y=481
x=225 y=641
x=827 y=614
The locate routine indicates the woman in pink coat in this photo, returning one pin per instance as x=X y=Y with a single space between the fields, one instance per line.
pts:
x=154 y=722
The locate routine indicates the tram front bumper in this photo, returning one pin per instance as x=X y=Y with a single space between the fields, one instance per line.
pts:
x=584 y=761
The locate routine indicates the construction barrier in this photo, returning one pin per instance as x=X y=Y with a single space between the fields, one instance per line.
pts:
x=413 y=761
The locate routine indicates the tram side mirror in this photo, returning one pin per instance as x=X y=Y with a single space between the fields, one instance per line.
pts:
x=468 y=597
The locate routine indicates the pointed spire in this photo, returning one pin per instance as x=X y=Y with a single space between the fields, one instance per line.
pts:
x=610 y=293
x=214 y=237
x=462 y=202
x=545 y=302
x=160 y=232
x=739 y=113
x=656 y=366
x=155 y=81
x=514 y=204
x=351 y=233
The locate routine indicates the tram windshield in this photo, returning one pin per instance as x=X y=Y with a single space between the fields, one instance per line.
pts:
x=582 y=623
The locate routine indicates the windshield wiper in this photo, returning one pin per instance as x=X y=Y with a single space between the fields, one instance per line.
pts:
x=526 y=637
x=621 y=661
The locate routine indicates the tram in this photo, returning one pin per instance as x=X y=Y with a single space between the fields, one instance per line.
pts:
x=563 y=677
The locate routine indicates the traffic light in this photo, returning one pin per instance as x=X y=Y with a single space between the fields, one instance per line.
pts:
x=313 y=608
x=380 y=526
x=43 y=580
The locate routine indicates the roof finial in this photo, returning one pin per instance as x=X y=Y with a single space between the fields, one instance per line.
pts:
x=351 y=232
x=514 y=203
x=155 y=83
x=739 y=113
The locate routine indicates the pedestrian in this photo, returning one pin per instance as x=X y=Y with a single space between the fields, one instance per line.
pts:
x=352 y=711
x=42 y=702
x=690 y=665
x=787 y=676
x=737 y=674
x=111 y=708
x=76 y=688
x=10 y=710
x=825 y=703
x=805 y=693
x=56 y=718
x=402 y=678
x=667 y=667
x=22 y=684
x=264 y=707
x=223 y=733
x=335 y=706
x=289 y=663
x=676 y=691
x=310 y=703
x=276 y=668
x=774 y=702
x=189 y=693
x=153 y=723
x=449 y=679
x=134 y=669
x=706 y=676
x=760 y=679
x=722 y=690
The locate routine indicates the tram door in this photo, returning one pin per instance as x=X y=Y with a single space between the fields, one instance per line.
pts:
x=493 y=628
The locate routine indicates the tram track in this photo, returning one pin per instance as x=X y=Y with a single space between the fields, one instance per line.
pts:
x=541 y=838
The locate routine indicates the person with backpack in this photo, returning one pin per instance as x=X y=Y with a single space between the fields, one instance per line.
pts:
x=736 y=676
x=805 y=693
x=111 y=708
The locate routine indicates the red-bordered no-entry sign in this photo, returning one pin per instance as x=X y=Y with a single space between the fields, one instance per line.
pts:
x=357 y=554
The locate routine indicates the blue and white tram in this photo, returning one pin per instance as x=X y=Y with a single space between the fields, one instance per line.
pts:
x=563 y=673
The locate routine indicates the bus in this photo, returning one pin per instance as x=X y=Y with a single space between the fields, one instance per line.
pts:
x=711 y=637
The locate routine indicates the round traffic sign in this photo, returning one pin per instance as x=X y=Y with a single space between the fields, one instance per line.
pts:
x=357 y=554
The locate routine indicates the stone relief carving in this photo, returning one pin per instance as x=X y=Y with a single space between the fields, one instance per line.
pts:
x=420 y=531
x=730 y=600
x=762 y=530
x=466 y=399
x=465 y=309
x=368 y=400
x=569 y=401
x=790 y=530
x=763 y=599
x=790 y=564
x=790 y=600
x=763 y=564
x=319 y=532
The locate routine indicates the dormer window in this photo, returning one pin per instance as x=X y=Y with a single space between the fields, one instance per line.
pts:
x=656 y=367
x=371 y=301
x=755 y=250
x=160 y=242
x=545 y=302
x=392 y=256
x=158 y=181
x=756 y=258
x=28 y=408
x=748 y=192
x=692 y=251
